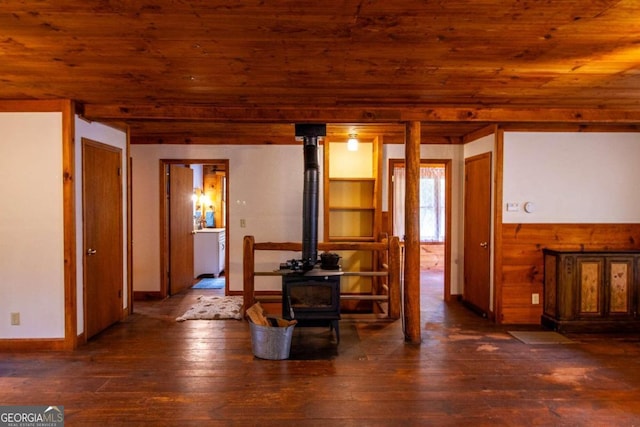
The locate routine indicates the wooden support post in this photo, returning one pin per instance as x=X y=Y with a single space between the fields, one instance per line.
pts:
x=412 y=234
x=248 y=268
x=394 y=277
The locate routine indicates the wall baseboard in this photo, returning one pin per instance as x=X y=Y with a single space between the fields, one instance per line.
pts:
x=146 y=295
x=33 y=344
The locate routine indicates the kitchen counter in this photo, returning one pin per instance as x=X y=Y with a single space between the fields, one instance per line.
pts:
x=209 y=252
x=210 y=230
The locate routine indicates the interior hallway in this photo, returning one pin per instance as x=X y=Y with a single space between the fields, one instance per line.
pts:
x=152 y=370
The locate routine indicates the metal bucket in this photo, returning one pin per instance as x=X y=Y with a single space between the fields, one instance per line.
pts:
x=271 y=342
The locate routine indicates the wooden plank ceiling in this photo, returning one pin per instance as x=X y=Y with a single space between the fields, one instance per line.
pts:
x=207 y=71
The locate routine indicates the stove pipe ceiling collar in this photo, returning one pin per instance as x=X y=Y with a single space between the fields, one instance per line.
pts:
x=309 y=132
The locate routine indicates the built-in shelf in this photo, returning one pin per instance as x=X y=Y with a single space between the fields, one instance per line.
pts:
x=351 y=187
x=351 y=222
x=352 y=202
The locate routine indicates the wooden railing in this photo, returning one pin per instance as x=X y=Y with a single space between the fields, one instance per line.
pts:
x=385 y=286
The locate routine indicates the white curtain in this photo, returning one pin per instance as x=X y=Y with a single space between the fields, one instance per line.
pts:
x=432 y=198
x=399 y=180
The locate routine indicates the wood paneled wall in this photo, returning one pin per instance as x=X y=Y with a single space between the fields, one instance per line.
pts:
x=521 y=270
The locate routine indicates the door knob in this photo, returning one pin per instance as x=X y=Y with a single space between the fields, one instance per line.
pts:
x=91 y=251
x=484 y=245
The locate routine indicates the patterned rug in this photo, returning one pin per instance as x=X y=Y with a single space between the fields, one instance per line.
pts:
x=214 y=308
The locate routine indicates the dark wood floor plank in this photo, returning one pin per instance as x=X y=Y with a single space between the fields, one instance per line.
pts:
x=152 y=370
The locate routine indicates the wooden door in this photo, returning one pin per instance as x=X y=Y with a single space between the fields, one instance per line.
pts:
x=477 y=233
x=180 y=228
x=102 y=229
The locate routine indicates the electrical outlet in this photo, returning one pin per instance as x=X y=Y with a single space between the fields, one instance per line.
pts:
x=535 y=298
x=243 y=223
x=15 y=319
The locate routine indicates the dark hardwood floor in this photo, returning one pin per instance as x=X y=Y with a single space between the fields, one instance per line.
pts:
x=152 y=370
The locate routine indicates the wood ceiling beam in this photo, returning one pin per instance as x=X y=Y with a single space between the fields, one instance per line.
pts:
x=215 y=140
x=264 y=140
x=434 y=114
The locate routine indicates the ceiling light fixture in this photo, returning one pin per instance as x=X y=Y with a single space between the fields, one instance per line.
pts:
x=352 y=142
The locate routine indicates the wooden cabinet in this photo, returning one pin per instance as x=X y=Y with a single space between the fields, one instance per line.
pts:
x=214 y=186
x=591 y=291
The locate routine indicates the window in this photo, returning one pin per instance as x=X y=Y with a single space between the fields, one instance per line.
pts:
x=432 y=202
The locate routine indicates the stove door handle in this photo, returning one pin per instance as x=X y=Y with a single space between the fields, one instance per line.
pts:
x=291 y=313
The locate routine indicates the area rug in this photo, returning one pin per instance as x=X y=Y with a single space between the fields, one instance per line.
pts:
x=210 y=283
x=541 y=337
x=214 y=308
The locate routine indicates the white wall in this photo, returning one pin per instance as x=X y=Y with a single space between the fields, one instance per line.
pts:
x=116 y=138
x=265 y=186
x=572 y=177
x=265 y=189
x=444 y=152
x=31 y=225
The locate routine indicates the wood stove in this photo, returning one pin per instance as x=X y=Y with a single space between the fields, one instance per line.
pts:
x=313 y=299
x=310 y=293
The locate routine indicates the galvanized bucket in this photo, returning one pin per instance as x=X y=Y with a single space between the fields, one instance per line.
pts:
x=271 y=342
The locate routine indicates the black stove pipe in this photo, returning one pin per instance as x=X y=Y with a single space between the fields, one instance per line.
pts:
x=310 y=204
x=310 y=134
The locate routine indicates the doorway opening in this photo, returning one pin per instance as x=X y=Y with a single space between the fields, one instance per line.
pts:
x=194 y=218
x=435 y=223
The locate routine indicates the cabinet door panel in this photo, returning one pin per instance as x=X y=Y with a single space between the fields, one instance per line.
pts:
x=550 y=285
x=620 y=274
x=590 y=275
